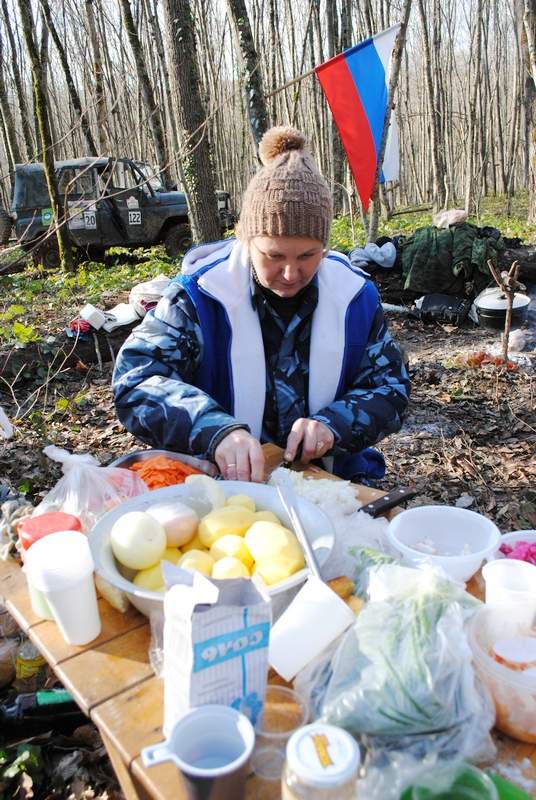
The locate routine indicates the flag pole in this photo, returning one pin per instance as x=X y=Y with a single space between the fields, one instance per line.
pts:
x=393 y=82
x=290 y=83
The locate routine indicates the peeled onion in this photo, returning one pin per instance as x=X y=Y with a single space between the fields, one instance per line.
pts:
x=178 y=520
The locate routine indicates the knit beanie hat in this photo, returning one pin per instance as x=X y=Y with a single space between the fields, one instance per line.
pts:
x=288 y=196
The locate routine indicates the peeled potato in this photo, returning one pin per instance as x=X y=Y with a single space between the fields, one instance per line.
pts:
x=197 y=559
x=193 y=544
x=234 y=546
x=242 y=500
x=277 y=569
x=267 y=516
x=229 y=567
x=230 y=519
x=178 y=520
x=150 y=579
x=138 y=540
x=267 y=540
x=171 y=554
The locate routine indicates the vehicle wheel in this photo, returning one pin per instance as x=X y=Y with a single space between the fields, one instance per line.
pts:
x=91 y=253
x=177 y=240
x=6 y=223
x=47 y=254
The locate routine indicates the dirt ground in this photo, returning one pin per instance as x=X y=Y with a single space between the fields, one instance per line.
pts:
x=469 y=438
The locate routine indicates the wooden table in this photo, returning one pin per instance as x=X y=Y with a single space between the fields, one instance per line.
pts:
x=113 y=683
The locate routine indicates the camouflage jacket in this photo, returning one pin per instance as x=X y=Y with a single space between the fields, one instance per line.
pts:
x=173 y=390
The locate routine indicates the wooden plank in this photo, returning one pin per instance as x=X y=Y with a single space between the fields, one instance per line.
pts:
x=133 y=719
x=14 y=595
x=48 y=638
x=162 y=782
x=130 y=787
x=99 y=674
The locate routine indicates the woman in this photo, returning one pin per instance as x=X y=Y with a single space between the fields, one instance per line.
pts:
x=267 y=338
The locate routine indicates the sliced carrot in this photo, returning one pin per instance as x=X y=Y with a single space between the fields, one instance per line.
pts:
x=160 y=471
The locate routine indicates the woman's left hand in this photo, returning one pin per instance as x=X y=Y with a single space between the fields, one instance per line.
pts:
x=316 y=439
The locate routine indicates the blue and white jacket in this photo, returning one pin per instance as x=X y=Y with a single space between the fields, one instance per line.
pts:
x=196 y=366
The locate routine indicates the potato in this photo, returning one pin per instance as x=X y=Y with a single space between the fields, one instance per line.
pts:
x=193 y=544
x=178 y=520
x=242 y=500
x=153 y=578
x=267 y=540
x=230 y=519
x=197 y=559
x=231 y=545
x=275 y=570
x=229 y=567
x=267 y=516
x=138 y=540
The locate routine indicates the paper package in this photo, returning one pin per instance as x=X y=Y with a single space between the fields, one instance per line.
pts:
x=216 y=636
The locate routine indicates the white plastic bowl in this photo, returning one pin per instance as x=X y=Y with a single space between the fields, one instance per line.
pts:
x=316 y=524
x=452 y=531
x=511 y=539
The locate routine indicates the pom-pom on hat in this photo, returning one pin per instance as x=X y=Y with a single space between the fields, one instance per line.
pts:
x=288 y=196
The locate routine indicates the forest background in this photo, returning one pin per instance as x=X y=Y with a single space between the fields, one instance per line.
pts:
x=190 y=85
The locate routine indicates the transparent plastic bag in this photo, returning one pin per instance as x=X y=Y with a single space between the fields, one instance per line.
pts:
x=86 y=489
x=402 y=676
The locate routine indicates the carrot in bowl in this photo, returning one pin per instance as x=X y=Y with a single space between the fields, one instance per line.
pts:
x=160 y=471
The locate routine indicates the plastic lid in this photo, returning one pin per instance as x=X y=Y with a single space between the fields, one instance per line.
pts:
x=34 y=528
x=516 y=650
x=323 y=755
x=59 y=561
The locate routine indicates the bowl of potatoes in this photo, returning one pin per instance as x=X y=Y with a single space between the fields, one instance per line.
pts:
x=224 y=529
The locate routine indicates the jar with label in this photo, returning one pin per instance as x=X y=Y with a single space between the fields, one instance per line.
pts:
x=322 y=764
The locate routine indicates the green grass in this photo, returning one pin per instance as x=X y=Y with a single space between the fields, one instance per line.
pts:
x=35 y=302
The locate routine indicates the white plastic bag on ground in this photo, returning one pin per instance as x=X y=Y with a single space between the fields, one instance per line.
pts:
x=146 y=295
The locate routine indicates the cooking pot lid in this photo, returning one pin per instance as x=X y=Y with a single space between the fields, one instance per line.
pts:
x=493 y=299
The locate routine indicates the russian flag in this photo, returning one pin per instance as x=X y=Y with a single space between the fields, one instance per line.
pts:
x=356 y=85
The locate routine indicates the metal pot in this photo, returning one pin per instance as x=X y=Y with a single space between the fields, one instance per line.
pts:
x=491 y=305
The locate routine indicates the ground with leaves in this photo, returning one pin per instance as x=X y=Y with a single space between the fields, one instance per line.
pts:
x=469 y=437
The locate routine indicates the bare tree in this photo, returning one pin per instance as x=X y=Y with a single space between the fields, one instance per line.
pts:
x=42 y=114
x=195 y=157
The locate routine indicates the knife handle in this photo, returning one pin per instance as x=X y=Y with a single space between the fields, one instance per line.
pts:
x=389 y=500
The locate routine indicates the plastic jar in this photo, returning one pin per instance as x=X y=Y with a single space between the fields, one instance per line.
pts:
x=322 y=764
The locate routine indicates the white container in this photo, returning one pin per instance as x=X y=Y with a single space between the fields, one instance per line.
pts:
x=61 y=567
x=511 y=584
x=513 y=692
x=462 y=539
x=312 y=621
x=211 y=746
x=93 y=315
x=511 y=539
x=316 y=524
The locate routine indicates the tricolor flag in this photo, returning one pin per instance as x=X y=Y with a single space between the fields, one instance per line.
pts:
x=356 y=85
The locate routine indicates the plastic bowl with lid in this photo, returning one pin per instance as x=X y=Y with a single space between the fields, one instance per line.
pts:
x=455 y=539
x=513 y=691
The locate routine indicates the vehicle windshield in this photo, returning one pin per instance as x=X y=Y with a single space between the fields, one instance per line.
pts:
x=151 y=175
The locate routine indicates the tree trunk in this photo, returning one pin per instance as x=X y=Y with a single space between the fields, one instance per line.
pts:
x=41 y=110
x=12 y=146
x=195 y=157
x=71 y=88
x=529 y=48
x=338 y=157
x=257 y=111
x=471 y=134
x=152 y=110
x=100 y=99
x=21 y=96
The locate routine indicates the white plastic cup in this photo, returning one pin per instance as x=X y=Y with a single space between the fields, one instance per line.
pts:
x=312 y=621
x=61 y=567
x=211 y=745
x=511 y=584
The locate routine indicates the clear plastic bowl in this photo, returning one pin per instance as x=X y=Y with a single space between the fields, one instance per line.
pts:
x=452 y=531
x=452 y=782
x=513 y=692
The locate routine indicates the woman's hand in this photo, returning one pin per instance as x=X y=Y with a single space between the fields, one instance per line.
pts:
x=316 y=439
x=239 y=457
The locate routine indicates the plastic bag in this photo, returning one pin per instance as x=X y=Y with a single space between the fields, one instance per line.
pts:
x=402 y=676
x=88 y=490
x=146 y=295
